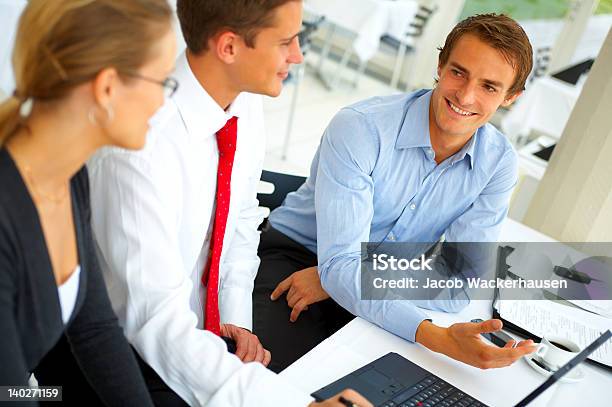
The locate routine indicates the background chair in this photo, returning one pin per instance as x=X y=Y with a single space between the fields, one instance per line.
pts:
x=400 y=46
x=283 y=184
x=407 y=44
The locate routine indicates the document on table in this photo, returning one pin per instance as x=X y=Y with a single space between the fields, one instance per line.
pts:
x=601 y=307
x=543 y=318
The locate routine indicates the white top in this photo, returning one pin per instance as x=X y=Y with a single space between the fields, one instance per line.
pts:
x=68 y=292
x=152 y=215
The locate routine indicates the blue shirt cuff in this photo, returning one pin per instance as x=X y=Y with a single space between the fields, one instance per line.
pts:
x=403 y=318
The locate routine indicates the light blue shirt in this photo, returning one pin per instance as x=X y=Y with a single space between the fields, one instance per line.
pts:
x=374 y=178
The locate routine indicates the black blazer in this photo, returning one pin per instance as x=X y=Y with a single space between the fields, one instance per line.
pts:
x=30 y=314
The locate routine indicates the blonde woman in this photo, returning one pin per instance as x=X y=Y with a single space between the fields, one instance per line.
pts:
x=93 y=73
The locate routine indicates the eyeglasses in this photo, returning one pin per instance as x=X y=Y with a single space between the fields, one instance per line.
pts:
x=169 y=84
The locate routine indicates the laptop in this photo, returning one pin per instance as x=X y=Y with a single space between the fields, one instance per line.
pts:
x=393 y=381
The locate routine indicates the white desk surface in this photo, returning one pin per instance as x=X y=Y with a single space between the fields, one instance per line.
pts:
x=361 y=342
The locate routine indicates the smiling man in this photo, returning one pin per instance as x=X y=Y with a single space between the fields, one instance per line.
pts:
x=406 y=168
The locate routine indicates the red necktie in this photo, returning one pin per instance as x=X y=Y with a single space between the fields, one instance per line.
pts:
x=226 y=142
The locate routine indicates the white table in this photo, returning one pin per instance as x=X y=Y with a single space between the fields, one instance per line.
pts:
x=361 y=342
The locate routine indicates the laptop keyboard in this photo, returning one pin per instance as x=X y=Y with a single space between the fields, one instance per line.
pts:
x=432 y=391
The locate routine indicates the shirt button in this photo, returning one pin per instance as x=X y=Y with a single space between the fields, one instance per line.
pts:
x=412 y=206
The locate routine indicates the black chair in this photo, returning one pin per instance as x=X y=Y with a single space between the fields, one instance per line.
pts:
x=283 y=184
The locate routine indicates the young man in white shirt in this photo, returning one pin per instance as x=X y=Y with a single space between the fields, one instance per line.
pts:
x=176 y=223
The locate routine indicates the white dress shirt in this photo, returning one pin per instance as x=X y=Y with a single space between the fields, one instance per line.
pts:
x=152 y=216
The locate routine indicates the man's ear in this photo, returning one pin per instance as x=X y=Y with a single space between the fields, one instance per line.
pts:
x=510 y=99
x=226 y=45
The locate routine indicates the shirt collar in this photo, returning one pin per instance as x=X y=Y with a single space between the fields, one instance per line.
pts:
x=414 y=131
x=467 y=149
x=201 y=115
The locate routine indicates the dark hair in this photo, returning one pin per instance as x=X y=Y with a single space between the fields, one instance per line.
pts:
x=502 y=33
x=201 y=20
x=61 y=44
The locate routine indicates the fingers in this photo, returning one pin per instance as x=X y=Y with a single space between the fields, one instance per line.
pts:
x=528 y=342
x=353 y=397
x=241 y=346
x=260 y=353
x=523 y=350
x=251 y=352
x=267 y=358
x=492 y=325
x=292 y=296
x=526 y=347
x=515 y=344
x=463 y=329
x=493 y=357
x=297 y=309
x=248 y=347
x=510 y=344
x=281 y=288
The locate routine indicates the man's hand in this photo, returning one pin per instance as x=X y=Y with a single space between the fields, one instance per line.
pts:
x=462 y=341
x=349 y=398
x=248 y=347
x=304 y=289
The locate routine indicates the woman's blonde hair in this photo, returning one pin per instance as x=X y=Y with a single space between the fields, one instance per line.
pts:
x=61 y=44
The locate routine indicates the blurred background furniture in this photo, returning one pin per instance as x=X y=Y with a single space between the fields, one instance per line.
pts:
x=364 y=22
x=274 y=187
x=544 y=107
x=404 y=44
